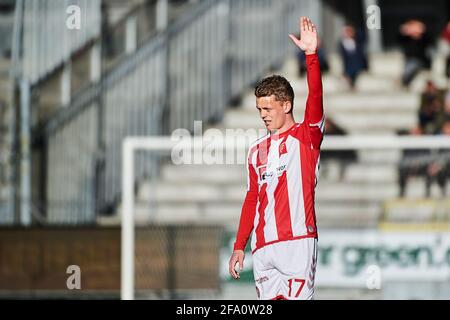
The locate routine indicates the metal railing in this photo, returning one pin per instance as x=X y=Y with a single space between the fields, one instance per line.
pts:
x=188 y=72
x=46 y=43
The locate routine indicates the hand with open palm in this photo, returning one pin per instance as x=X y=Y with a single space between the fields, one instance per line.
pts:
x=308 y=41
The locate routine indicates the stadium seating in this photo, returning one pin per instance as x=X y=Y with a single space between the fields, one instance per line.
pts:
x=378 y=106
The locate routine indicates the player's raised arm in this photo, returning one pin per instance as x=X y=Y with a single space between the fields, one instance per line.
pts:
x=308 y=42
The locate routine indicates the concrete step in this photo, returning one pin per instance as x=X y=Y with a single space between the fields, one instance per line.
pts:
x=356 y=192
x=354 y=101
x=388 y=64
x=214 y=194
x=379 y=157
x=333 y=84
x=373 y=102
x=362 y=124
x=357 y=122
x=236 y=174
x=417 y=210
x=332 y=171
x=384 y=75
x=351 y=216
x=234 y=193
x=376 y=192
x=229 y=214
x=369 y=82
x=214 y=174
x=289 y=68
x=197 y=193
x=375 y=173
x=190 y=213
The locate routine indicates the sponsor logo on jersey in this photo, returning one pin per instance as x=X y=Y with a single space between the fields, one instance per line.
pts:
x=262 y=279
x=264 y=175
x=281 y=169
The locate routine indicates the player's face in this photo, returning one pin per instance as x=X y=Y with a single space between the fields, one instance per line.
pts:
x=272 y=112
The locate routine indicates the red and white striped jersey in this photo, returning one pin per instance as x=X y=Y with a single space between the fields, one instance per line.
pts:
x=282 y=176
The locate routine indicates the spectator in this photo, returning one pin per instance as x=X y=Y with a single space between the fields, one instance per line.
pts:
x=444 y=115
x=434 y=166
x=445 y=41
x=431 y=107
x=414 y=162
x=301 y=59
x=415 y=40
x=439 y=169
x=353 y=53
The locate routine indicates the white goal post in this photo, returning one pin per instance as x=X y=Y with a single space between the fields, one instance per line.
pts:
x=166 y=144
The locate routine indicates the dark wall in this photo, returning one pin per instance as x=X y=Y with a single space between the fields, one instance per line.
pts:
x=171 y=257
x=351 y=10
x=434 y=13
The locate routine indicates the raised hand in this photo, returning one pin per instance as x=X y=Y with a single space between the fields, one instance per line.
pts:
x=308 y=41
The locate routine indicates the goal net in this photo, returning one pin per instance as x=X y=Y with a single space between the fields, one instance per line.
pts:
x=178 y=227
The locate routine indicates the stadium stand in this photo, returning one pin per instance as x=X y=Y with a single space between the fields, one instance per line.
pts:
x=122 y=76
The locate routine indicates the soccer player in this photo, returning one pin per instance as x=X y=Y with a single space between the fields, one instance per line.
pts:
x=282 y=175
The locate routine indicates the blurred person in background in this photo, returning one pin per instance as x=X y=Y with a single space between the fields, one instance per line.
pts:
x=415 y=41
x=431 y=108
x=444 y=115
x=445 y=43
x=414 y=162
x=353 y=54
x=439 y=169
x=432 y=165
x=278 y=209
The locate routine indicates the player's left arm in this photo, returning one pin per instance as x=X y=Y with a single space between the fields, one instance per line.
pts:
x=246 y=221
x=314 y=115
